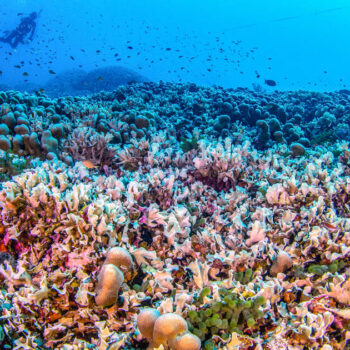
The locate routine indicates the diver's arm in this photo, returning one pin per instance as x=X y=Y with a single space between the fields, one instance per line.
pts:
x=32 y=31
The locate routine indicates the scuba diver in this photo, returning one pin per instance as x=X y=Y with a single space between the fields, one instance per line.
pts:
x=26 y=27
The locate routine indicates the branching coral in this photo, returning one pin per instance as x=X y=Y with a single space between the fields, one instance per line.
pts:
x=87 y=144
x=219 y=167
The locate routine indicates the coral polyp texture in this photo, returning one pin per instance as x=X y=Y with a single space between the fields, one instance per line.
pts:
x=173 y=216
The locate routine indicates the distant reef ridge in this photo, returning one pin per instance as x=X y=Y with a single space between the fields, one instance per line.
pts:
x=80 y=82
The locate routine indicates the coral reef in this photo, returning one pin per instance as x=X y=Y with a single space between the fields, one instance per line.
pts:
x=174 y=216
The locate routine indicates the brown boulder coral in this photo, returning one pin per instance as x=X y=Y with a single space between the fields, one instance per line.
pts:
x=119 y=257
x=110 y=280
x=146 y=320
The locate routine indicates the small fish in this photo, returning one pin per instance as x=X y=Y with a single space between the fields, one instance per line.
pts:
x=25 y=74
x=51 y=71
x=99 y=78
x=330 y=226
x=89 y=164
x=130 y=47
x=72 y=58
x=0 y=72
x=270 y=82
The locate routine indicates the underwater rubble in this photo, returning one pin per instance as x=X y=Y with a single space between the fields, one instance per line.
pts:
x=175 y=216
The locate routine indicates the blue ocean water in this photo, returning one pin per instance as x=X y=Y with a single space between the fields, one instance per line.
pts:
x=207 y=204
x=300 y=44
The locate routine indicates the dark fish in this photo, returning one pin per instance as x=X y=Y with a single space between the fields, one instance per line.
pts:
x=25 y=74
x=270 y=82
x=72 y=58
x=17 y=66
x=168 y=49
x=99 y=78
x=0 y=72
x=130 y=47
x=51 y=71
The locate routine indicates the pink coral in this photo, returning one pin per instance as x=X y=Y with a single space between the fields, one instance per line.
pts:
x=88 y=144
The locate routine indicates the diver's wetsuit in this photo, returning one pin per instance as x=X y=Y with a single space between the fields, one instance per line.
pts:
x=16 y=36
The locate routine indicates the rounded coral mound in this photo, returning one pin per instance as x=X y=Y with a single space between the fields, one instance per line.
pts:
x=119 y=257
x=169 y=330
x=109 y=281
x=187 y=341
x=167 y=327
x=146 y=320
